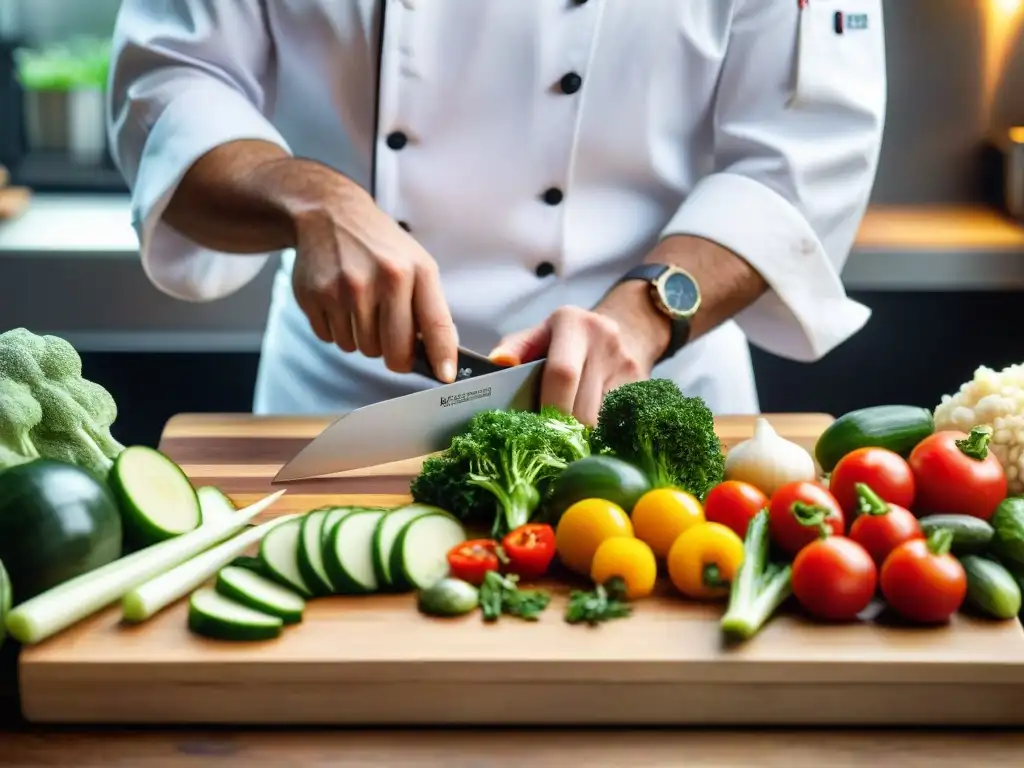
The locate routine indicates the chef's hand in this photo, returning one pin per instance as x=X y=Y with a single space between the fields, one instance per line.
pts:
x=365 y=284
x=590 y=352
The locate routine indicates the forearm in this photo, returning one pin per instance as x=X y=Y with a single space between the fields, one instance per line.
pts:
x=728 y=285
x=245 y=197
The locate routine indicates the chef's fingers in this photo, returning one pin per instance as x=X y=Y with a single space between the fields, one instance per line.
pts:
x=434 y=323
x=318 y=322
x=340 y=323
x=362 y=295
x=590 y=391
x=522 y=346
x=397 y=331
x=567 y=355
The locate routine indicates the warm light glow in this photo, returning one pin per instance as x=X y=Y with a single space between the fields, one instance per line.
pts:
x=1001 y=23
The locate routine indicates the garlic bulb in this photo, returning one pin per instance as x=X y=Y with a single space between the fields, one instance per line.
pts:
x=768 y=461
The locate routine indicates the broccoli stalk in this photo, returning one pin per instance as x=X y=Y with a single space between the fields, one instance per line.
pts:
x=668 y=436
x=760 y=587
x=48 y=409
x=498 y=470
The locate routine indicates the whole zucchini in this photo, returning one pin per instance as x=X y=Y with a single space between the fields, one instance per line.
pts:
x=970 y=534
x=991 y=589
x=896 y=427
x=1008 y=522
x=596 y=477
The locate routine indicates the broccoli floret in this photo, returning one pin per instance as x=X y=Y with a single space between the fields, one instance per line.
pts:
x=46 y=407
x=498 y=469
x=670 y=436
x=575 y=433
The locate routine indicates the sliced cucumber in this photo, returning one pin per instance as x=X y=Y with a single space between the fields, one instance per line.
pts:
x=419 y=556
x=279 y=552
x=349 y=556
x=260 y=593
x=213 y=504
x=388 y=528
x=311 y=553
x=334 y=516
x=156 y=498
x=213 y=615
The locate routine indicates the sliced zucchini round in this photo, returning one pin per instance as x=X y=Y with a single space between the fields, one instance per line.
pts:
x=385 y=535
x=213 y=615
x=214 y=505
x=260 y=593
x=349 y=557
x=420 y=553
x=311 y=553
x=279 y=552
x=156 y=498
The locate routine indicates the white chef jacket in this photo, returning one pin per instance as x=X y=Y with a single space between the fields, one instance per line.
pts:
x=753 y=123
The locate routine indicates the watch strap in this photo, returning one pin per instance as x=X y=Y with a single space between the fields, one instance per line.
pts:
x=679 y=327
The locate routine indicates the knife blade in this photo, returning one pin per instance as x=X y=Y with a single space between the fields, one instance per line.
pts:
x=414 y=425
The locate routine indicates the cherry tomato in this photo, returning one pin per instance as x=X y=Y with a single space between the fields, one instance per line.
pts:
x=923 y=582
x=797 y=512
x=733 y=503
x=888 y=474
x=882 y=526
x=956 y=473
x=834 y=578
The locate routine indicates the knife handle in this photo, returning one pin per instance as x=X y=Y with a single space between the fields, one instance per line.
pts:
x=469 y=364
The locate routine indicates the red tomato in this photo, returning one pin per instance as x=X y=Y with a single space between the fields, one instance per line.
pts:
x=881 y=526
x=801 y=500
x=923 y=582
x=834 y=578
x=732 y=503
x=956 y=473
x=885 y=471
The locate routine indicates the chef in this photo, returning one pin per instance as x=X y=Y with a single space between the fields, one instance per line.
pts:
x=627 y=187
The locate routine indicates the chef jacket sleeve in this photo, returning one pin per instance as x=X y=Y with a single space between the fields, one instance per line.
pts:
x=797 y=131
x=186 y=76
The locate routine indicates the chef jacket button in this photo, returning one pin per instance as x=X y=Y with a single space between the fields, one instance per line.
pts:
x=396 y=140
x=579 y=2
x=405 y=225
x=571 y=82
x=544 y=269
x=553 y=196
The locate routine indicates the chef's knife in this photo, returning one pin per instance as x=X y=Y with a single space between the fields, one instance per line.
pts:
x=417 y=424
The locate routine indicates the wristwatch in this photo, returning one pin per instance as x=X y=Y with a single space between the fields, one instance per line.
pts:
x=675 y=293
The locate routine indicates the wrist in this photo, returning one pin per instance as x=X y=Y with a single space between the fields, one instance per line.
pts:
x=649 y=330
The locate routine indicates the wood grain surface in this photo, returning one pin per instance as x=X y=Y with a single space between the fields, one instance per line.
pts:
x=376 y=661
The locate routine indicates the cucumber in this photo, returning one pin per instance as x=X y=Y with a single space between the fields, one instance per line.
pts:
x=334 y=516
x=1008 y=522
x=896 y=427
x=279 y=552
x=156 y=499
x=349 y=554
x=213 y=504
x=991 y=589
x=311 y=553
x=260 y=593
x=212 y=615
x=384 y=536
x=596 y=477
x=970 y=533
x=419 y=557
x=5 y=602
x=448 y=597
x=251 y=563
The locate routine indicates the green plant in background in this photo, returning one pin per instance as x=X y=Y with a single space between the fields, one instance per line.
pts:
x=77 y=64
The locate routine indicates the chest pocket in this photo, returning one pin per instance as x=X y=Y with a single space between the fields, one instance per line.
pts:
x=841 y=55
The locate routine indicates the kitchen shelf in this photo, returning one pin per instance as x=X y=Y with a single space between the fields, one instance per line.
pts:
x=941 y=227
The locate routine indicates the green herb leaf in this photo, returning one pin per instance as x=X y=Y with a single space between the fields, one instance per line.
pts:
x=604 y=603
x=501 y=595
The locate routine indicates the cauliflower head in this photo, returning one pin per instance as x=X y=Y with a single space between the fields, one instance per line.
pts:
x=47 y=409
x=996 y=399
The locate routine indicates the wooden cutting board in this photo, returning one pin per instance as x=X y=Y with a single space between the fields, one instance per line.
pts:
x=376 y=661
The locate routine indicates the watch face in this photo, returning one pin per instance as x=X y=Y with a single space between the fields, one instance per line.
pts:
x=681 y=293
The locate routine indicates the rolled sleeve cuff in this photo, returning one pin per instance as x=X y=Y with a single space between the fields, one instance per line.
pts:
x=193 y=123
x=806 y=312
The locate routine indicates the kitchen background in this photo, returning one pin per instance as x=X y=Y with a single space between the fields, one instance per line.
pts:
x=940 y=259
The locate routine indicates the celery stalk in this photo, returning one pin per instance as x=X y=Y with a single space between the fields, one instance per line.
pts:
x=760 y=586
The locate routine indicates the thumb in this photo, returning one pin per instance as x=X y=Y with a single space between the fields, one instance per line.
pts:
x=522 y=346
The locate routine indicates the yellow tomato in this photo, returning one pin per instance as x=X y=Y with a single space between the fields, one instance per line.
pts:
x=584 y=527
x=662 y=515
x=629 y=559
x=703 y=561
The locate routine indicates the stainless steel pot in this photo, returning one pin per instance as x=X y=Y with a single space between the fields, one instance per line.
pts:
x=70 y=122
